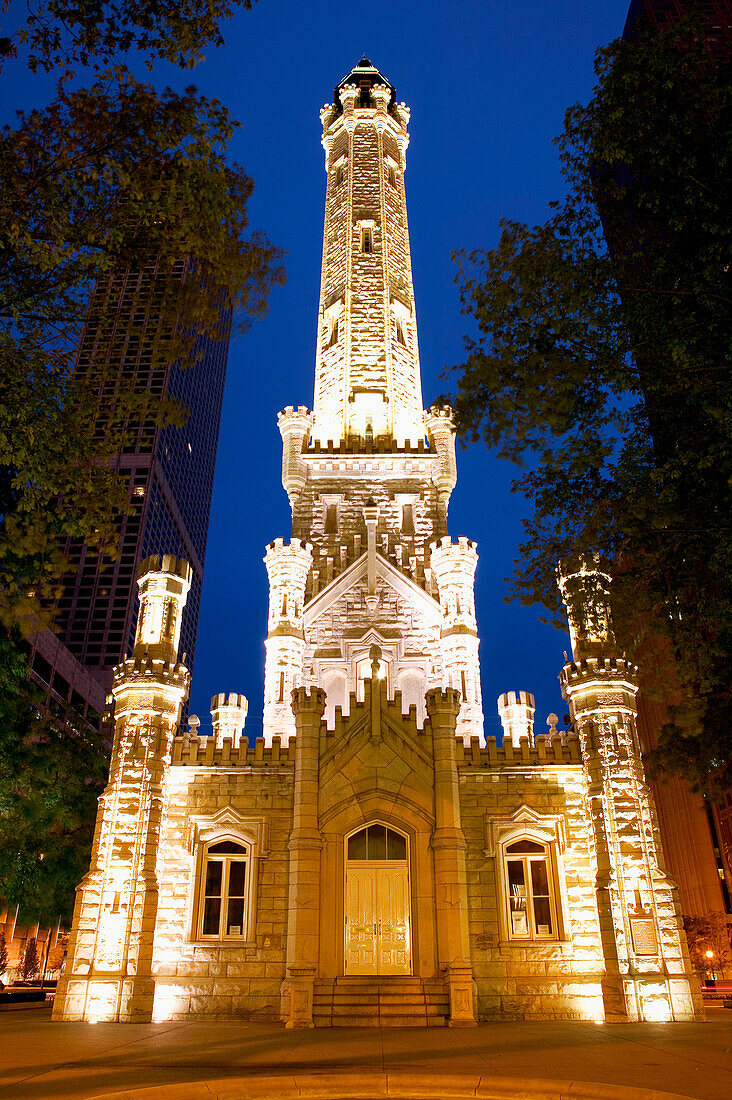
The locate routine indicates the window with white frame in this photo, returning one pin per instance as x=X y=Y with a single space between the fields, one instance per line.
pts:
x=530 y=900
x=224 y=897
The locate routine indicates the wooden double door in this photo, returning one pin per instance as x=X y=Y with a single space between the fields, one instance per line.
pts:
x=378 y=924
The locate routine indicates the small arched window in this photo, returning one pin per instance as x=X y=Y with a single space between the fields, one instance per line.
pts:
x=529 y=891
x=223 y=905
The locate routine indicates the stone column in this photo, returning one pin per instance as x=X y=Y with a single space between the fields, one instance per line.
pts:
x=109 y=969
x=305 y=843
x=448 y=845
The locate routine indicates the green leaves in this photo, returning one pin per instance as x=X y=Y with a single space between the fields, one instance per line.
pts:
x=106 y=179
x=600 y=363
x=52 y=770
x=92 y=32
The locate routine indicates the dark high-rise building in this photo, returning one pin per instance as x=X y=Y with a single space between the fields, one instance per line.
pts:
x=169 y=471
x=717 y=15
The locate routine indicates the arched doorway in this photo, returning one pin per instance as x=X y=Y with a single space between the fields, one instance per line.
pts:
x=378 y=932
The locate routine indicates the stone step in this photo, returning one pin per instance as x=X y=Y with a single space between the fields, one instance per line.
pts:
x=389 y=1001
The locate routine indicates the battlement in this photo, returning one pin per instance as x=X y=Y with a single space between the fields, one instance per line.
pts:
x=290 y=413
x=228 y=716
x=393 y=708
x=360 y=445
x=461 y=543
x=438 y=416
x=166 y=563
x=547 y=751
x=308 y=698
x=293 y=545
x=154 y=668
x=605 y=668
x=516 y=710
x=205 y=752
x=338 y=554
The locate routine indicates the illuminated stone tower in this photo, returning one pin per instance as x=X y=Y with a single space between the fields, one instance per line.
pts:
x=373 y=859
x=647 y=965
x=368 y=473
x=109 y=968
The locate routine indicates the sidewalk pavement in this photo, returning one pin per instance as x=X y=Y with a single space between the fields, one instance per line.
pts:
x=40 y=1060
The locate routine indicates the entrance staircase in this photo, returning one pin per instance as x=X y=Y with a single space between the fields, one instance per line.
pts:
x=380 y=1002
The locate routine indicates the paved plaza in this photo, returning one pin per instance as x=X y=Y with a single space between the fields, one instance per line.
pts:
x=40 y=1060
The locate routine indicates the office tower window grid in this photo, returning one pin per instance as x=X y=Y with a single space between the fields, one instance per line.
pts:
x=169 y=471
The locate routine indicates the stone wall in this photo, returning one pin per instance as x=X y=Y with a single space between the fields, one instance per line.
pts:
x=557 y=979
x=224 y=980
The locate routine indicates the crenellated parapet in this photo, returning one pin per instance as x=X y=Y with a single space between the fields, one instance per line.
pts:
x=545 y=752
x=208 y=752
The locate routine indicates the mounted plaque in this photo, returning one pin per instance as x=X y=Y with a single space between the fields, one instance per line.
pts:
x=643 y=931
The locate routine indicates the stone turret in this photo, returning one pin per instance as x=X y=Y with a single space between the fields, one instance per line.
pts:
x=648 y=974
x=294 y=425
x=453 y=567
x=441 y=434
x=109 y=969
x=228 y=716
x=586 y=594
x=287 y=568
x=164 y=584
x=517 y=710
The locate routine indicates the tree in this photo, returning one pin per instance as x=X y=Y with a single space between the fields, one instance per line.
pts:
x=65 y=32
x=56 y=958
x=710 y=933
x=105 y=177
x=3 y=954
x=109 y=175
x=29 y=964
x=53 y=767
x=604 y=372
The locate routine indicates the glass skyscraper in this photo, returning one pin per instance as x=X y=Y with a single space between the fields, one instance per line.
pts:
x=168 y=471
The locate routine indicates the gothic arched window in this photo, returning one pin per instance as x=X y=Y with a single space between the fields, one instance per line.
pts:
x=223 y=904
x=531 y=911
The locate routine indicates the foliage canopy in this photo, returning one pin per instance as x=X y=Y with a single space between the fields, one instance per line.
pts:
x=110 y=177
x=601 y=365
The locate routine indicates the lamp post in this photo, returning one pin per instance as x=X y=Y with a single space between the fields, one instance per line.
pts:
x=711 y=981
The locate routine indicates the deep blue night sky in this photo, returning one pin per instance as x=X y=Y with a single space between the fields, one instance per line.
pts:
x=488 y=83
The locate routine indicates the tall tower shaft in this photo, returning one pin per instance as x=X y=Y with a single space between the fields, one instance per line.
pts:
x=369 y=474
x=367 y=377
